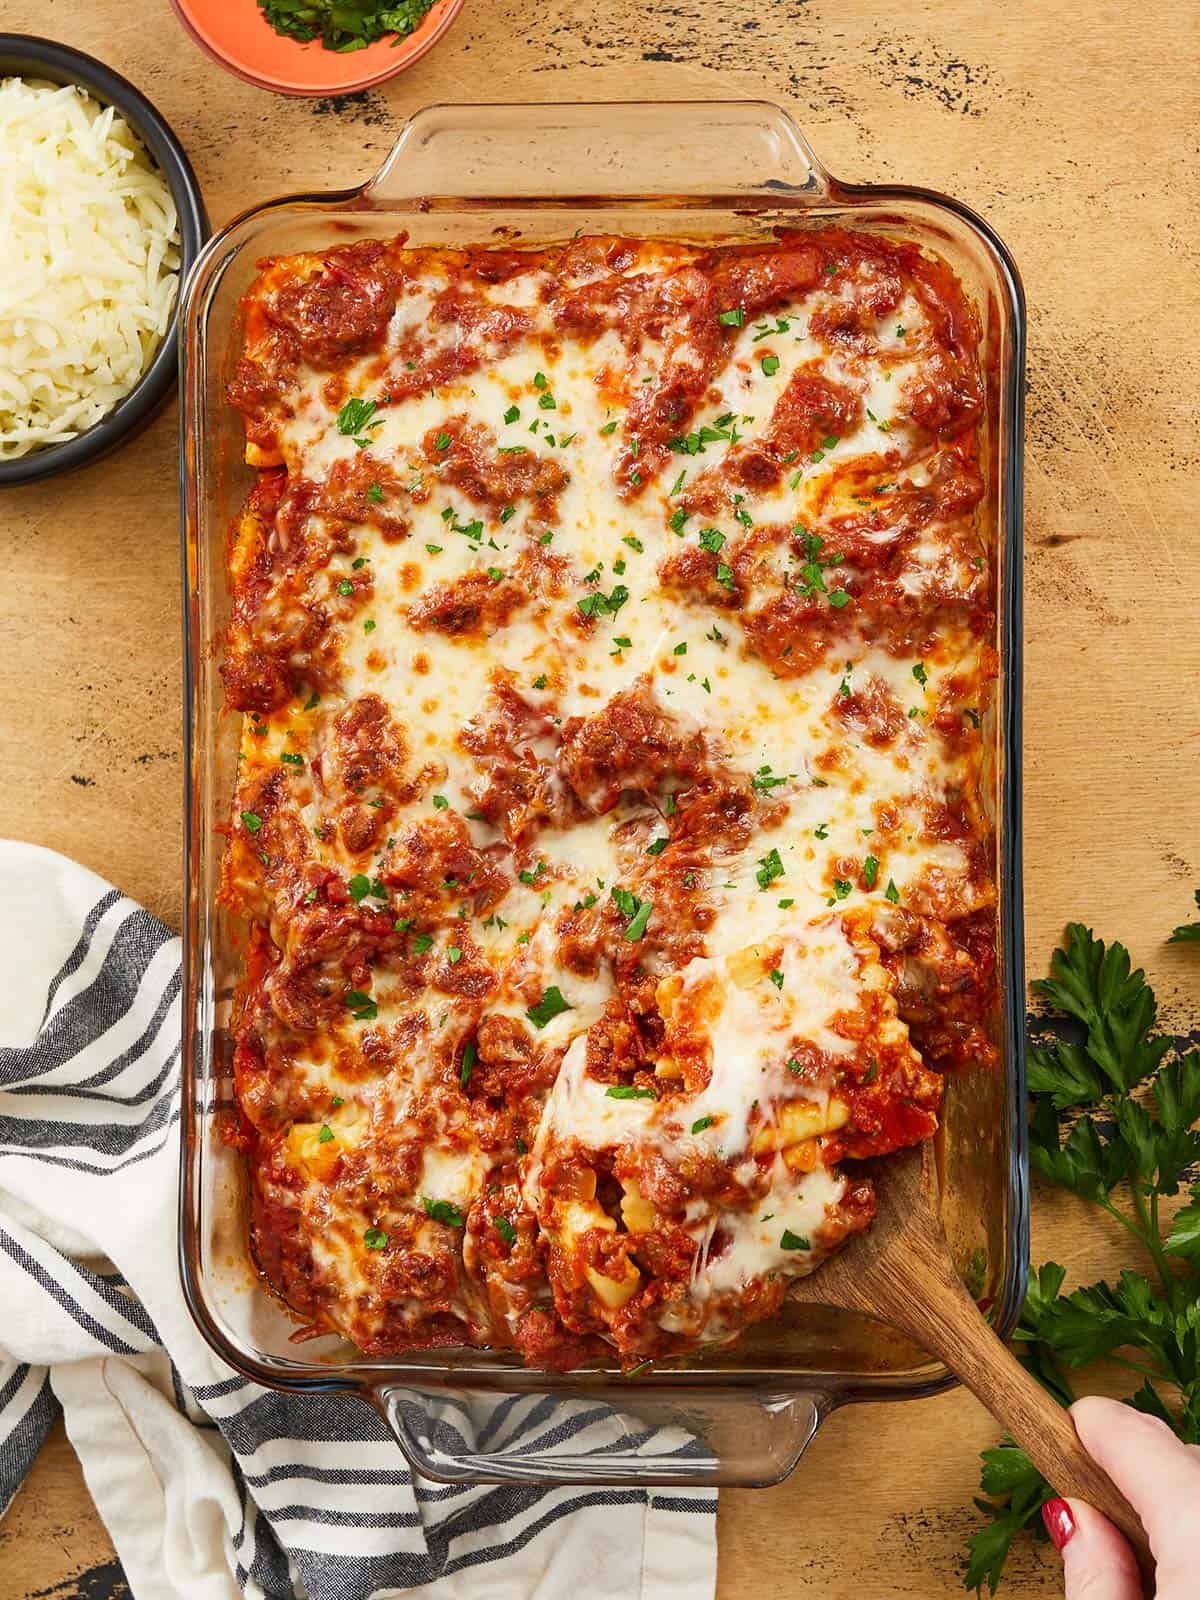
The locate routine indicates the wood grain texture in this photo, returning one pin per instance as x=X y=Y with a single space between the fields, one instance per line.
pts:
x=1071 y=126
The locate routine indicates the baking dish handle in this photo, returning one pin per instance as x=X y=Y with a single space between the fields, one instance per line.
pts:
x=718 y=150
x=744 y=1439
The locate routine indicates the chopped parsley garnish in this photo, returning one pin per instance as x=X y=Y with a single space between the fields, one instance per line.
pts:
x=443 y=1211
x=627 y=1091
x=732 y=319
x=678 y=518
x=920 y=674
x=540 y=381
x=422 y=943
x=638 y=911
x=770 y=867
x=453 y=955
x=506 y=1230
x=892 y=893
x=435 y=549
x=325 y=1135
x=812 y=573
x=678 y=484
x=374 y=493
x=793 y=1065
x=546 y=402
x=291 y=759
x=313 y=701
x=513 y=414
x=345 y=587
x=786 y=905
x=711 y=539
x=355 y=416
x=870 y=871
x=693 y=444
x=634 y=543
x=540 y=681
x=361 y=1007
x=526 y=876
x=793 y=1241
x=360 y=886
x=770 y=366
x=508 y=514
x=657 y=846
x=701 y=1123
x=764 y=780
x=841 y=888
x=375 y=1238
x=725 y=576
x=609 y=427
x=251 y=821
x=601 y=604
x=369 y=625
x=551 y=1005
x=821 y=831
x=776 y=977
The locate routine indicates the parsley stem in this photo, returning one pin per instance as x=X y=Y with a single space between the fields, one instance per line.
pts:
x=1150 y=1240
x=1153 y=1240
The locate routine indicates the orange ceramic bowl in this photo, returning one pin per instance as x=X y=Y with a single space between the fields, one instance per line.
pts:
x=236 y=34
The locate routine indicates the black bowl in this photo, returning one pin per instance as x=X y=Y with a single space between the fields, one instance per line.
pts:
x=22 y=56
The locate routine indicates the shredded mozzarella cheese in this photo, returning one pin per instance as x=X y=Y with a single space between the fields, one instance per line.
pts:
x=89 y=262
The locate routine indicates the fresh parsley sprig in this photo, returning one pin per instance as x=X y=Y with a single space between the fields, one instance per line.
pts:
x=1129 y=1143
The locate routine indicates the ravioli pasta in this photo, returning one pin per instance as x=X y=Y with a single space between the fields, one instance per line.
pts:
x=612 y=632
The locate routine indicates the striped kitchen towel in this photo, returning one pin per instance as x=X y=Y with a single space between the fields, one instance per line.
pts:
x=209 y=1485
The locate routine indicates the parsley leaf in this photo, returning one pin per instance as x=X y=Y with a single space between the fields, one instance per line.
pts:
x=638 y=911
x=770 y=867
x=551 y=1005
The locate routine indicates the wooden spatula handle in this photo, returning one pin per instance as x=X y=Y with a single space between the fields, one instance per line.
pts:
x=940 y=1315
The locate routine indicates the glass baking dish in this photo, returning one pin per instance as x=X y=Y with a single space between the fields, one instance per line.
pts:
x=498 y=174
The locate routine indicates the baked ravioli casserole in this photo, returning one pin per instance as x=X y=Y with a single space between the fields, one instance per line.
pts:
x=612 y=633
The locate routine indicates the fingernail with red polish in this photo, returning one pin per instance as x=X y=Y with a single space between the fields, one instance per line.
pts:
x=1060 y=1524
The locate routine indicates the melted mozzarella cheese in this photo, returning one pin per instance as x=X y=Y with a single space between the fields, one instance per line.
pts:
x=779 y=966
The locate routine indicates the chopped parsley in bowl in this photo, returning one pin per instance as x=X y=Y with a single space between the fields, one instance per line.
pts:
x=344 y=25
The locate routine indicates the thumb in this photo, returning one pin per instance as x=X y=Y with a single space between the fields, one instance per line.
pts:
x=1097 y=1563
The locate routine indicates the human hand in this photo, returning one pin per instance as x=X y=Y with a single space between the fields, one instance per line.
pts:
x=1160 y=1477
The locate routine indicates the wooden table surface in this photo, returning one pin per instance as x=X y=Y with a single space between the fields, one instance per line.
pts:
x=1071 y=124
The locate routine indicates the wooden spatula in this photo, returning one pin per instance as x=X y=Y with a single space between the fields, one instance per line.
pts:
x=901 y=1271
